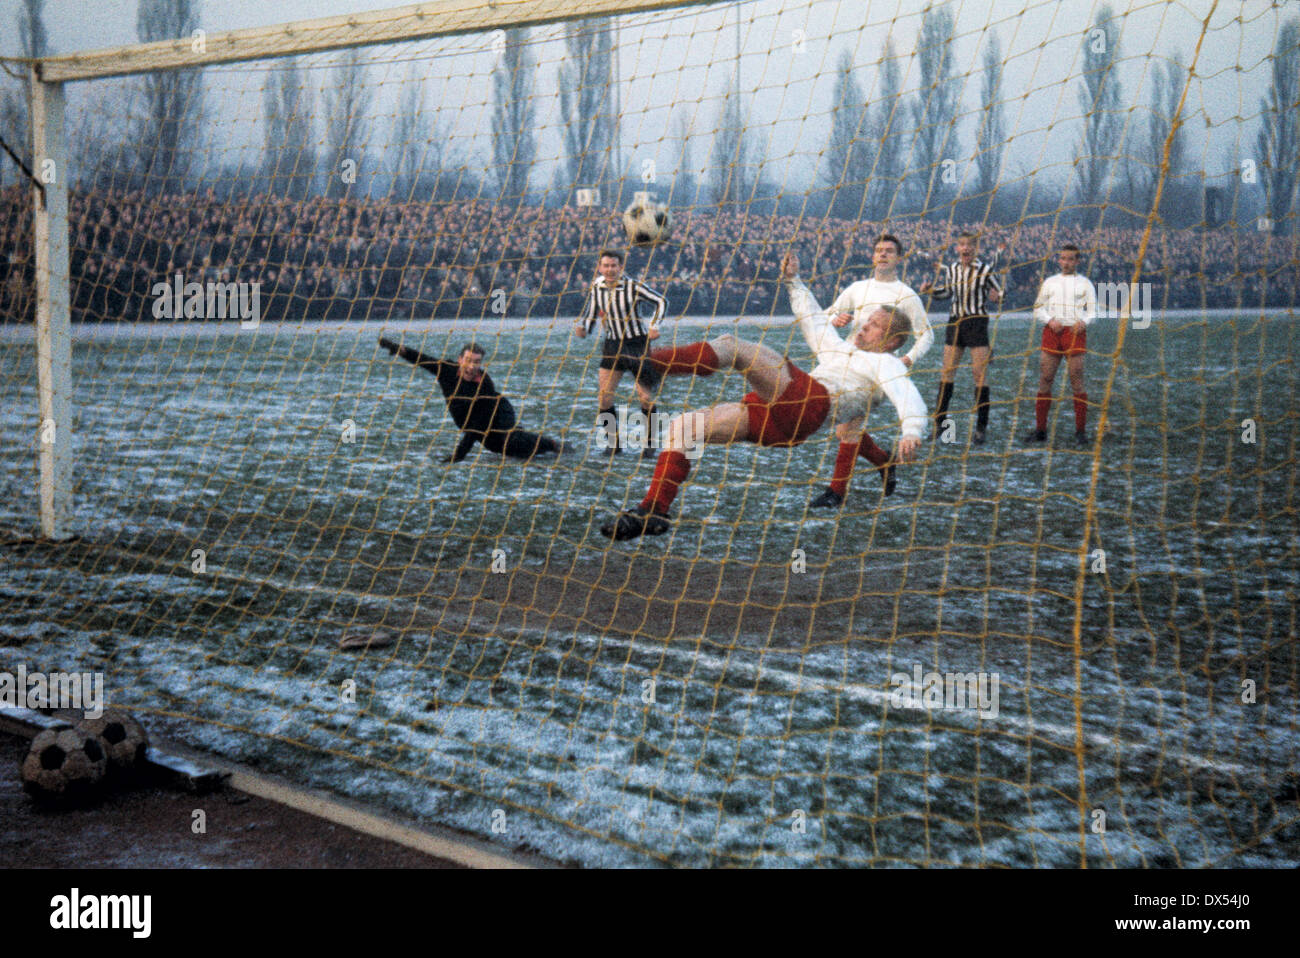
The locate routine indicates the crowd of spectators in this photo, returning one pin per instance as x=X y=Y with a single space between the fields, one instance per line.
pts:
x=335 y=259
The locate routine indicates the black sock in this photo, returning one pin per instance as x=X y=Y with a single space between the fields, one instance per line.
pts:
x=611 y=430
x=945 y=394
x=982 y=407
x=941 y=408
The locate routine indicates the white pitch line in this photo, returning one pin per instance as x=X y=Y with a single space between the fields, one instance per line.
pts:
x=1062 y=735
x=882 y=698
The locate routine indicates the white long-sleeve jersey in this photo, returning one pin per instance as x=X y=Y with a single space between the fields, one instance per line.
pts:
x=852 y=376
x=1069 y=299
x=866 y=296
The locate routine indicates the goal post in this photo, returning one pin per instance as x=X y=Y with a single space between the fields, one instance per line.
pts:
x=55 y=438
x=421 y=21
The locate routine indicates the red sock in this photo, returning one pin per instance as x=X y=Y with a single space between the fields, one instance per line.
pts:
x=844 y=459
x=694 y=358
x=869 y=451
x=670 y=472
x=1080 y=412
x=1041 y=409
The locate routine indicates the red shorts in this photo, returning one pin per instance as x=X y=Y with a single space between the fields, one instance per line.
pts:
x=1070 y=341
x=793 y=416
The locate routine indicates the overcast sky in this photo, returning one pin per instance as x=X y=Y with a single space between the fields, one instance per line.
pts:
x=679 y=64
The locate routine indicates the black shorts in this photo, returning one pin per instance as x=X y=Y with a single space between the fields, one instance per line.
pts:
x=628 y=355
x=969 y=332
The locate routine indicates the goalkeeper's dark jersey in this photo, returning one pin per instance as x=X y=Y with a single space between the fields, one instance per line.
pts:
x=475 y=407
x=482 y=413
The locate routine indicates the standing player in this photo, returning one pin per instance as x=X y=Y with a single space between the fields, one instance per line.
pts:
x=613 y=302
x=484 y=414
x=969 y=283
x=855 y=305
x=786 y=405
x=1066 y=304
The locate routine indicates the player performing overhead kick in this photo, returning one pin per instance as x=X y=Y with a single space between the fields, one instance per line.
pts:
x=478 y=409
x=786 y=405
x=855 y=305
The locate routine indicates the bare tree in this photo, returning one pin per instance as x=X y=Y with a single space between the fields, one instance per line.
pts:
x=514 y=142
x=1165 y=118
x=288 y=160
x=347 y=103
x=586 y=80
x=887 y=180
x=419 y=143
x=1099 y=98
x=733 y=166
x=166 y=138
x=990 y=140
x=684 y=185
x=1279 y=131
x=34 y=42
x=32 y=35
x=849 y=154
x=100 y=134
x=934 y=112
x=13 y=129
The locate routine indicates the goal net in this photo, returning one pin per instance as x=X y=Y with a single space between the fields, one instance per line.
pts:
x=1058 y=650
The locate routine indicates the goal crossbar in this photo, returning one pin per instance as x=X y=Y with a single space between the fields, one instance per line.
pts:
x=418 y=21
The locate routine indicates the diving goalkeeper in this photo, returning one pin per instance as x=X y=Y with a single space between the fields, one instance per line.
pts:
x=786 y=405
x=482 y=413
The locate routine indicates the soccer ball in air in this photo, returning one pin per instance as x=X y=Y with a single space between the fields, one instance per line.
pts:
x=122 y=738
x=647 y=223
x=64 y=766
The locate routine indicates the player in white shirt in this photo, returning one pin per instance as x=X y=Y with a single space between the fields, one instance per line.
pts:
x=859 y=300
x=1066 y=304
x=853 y=306
x=786 y=405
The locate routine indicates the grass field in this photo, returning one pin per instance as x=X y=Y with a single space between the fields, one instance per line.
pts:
x=771 y=738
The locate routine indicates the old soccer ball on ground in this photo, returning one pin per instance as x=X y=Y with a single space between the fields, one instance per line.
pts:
x=647 y=223
x=64 y=766
x=122 y=737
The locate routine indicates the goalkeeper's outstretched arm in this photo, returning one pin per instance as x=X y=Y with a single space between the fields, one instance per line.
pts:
x=446 y=372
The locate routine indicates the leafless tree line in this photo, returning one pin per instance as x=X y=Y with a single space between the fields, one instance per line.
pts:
x=888 y=154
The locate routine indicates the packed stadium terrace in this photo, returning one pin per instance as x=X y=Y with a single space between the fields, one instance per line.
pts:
x=336 y=259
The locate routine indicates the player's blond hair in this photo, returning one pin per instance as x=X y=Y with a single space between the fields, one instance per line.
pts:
x=899 y=325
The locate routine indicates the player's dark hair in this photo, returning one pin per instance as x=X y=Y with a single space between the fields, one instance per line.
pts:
x=1069 y=246
x=970 y=236
x=474 y=348
x=890 y=238
x=611 y=253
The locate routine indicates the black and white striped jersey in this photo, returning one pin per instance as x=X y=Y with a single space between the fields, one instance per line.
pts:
x=968 y=286
x=615 y=308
